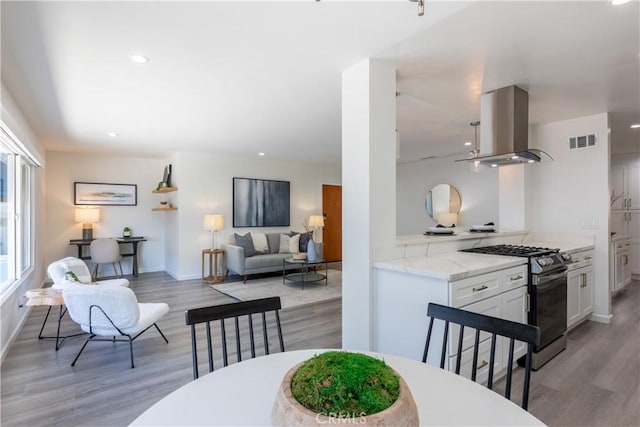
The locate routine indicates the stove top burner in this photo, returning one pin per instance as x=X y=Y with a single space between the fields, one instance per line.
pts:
x=512 y=250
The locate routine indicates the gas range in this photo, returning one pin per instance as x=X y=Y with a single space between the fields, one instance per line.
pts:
x=547 y=289
x=541 y=260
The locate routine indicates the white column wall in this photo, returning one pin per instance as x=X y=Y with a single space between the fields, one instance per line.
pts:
x=369 y=188
x=571 y=193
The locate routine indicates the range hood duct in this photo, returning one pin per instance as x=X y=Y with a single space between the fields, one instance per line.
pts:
x=504 y=129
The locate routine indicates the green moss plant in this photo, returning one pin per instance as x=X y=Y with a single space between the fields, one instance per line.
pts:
x=338 y=382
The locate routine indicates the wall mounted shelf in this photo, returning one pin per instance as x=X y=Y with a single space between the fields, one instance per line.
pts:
x=164 y=209
x=165 y=190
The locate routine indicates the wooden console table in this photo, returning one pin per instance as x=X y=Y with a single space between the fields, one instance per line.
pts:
x=80 y=243
x=213 y=265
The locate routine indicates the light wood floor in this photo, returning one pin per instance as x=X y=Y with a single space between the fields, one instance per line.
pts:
x=595 y=382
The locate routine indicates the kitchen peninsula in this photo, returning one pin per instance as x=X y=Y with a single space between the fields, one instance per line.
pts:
x=432 y=269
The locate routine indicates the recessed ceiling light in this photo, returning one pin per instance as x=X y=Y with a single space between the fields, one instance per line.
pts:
x=140 y=59
x=113 y=134
x=618 y=2
x=260 y=154
x=494 y=165
x=530 y=161
x=515 y=157
x=467 y=143
x=635 y=126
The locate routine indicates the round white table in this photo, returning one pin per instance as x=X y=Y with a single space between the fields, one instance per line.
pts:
x=243 y=394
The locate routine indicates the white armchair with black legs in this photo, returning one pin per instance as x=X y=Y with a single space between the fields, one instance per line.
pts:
x=111 y=311
x=60 y=272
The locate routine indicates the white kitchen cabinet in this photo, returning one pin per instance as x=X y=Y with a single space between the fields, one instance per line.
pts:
x=580 y=291
x=625 y=185
x=633 y=186
x=505 y=296
x=621 y=250
x=625 y=212
x=400 y=311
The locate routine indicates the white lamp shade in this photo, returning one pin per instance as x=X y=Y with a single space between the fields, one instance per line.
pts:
x=448 y=219
x=213 y=222
x=87 y=215
x=316 y=221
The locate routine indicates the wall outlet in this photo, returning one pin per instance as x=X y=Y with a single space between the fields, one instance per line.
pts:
x=589 y=224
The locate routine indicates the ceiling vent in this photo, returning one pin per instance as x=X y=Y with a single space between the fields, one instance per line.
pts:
x=585 y=141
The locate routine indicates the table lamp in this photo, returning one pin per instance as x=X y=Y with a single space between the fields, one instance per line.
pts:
x=87 y=216
x=316 y=221
x=448 y=219
x=213 y=223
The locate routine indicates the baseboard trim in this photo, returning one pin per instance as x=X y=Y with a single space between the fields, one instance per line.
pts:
x=601 y=318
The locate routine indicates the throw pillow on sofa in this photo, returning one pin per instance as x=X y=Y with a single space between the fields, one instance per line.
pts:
x=260 y=243
x=289 y=244
x=245 y=242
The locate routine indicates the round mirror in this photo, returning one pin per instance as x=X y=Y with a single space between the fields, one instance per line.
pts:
x=443 y=199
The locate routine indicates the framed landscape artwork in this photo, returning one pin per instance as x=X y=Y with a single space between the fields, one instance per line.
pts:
x=260 y=203
x=93 y=193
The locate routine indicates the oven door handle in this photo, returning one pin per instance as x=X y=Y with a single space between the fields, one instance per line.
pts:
x=546 y=279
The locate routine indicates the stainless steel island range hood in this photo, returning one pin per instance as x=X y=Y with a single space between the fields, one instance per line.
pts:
x=504 y=129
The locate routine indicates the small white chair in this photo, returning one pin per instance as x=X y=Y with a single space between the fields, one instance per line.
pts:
x=58 y=269
x=110 y=311
x=105 y=251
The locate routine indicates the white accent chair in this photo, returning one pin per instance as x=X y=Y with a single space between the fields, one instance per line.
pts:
x=59 y=268
x=105 y=251
x=111 y=311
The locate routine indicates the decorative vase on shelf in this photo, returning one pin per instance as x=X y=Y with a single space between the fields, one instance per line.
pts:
x=312 y=253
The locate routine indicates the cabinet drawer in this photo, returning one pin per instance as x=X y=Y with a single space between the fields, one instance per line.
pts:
x=467 y=291
x=513 y=278
x=581 y=259
x=490 y=307
x=484 y=356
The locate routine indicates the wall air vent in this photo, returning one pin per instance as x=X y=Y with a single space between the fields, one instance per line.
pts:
x=585 y=141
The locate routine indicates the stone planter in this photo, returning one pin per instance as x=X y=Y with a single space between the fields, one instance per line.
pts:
x=287 y=411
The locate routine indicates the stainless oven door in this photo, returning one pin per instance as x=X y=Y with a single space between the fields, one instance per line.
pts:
x=551 y=305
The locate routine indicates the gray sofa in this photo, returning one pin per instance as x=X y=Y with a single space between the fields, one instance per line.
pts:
x=261 y=262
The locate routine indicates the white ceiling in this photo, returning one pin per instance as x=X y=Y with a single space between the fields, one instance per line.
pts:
x=247 y=77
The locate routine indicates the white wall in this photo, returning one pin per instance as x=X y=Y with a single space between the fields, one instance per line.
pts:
x=63 y=169
x=573 y=190
x=204 y=182
x=478 y=191
x=12 y=315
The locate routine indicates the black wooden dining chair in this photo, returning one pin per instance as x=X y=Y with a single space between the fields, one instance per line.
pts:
x=233 y=311
x=496 y=327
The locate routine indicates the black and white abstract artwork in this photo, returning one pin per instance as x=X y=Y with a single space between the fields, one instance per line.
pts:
x=260 y=203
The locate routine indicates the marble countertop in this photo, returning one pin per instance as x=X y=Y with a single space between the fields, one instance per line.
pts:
x=570 y=247
x=451 y=265
x=459 y=234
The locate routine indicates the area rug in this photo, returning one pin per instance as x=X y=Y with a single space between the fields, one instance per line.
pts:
x=291 y=293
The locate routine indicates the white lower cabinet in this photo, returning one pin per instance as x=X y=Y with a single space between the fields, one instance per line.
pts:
x=579 y=295
x=482 y=366
x=505 y=296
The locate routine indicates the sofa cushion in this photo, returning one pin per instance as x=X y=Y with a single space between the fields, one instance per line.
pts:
x=270 y=261
x=260 y=243
x=245 y=242
x=273 y=241
x=304 y=240
x=289 y=244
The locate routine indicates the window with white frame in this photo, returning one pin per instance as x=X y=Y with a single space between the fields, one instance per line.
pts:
x=16 y=210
